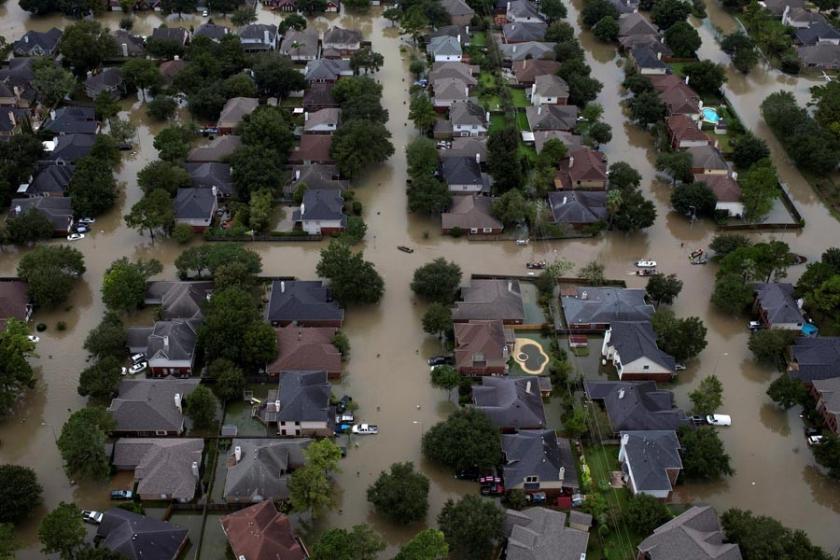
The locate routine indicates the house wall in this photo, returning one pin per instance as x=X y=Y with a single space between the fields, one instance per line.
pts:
x=325 y=227
x=468 y=130
x=466 y=188
x=162 y=368
x=448 y=58
x=322 y=128
x=643 y=368
x=689 y=143
x=652 y=71
x=477 y=371
x=704 y=171
x=461 y=21
x=552 y=489
x=733 y=208
x=303 y=429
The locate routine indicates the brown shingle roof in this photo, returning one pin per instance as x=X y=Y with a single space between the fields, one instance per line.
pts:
x=260 y=532
x=470 y=212
x=683 y=128
x=726 y=188
x=306 y=348
x=481 y=343
x=313 y=147
x=582 y=164
x=14 y=301
x=527 y=70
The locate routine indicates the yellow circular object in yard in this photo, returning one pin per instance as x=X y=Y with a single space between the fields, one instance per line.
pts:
x=530 y=356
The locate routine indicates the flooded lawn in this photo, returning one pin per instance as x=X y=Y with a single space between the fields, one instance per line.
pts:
x=191 y=521
x=214 y=545
x=238 y=413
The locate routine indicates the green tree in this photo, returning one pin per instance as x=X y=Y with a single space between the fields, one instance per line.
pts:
x=292 y=21
x=553 y=9
x=366 y=59
x=759 y=189
x=256 y=168
x=708 y=396
x=101 y=379
x=201 y=406
x=268 y=127
x=421 y=157
x=359 y=144
x=124 y=284
x=748 y=149
x=154 y=212
x=446 y=377
x=472 y=526
x=20 y=493
x=62 y=531
x=243 y=16
x=437 y=320
x=202 y=261
x=623 y=177
x=769 y=346
x=726 y=243
x=705 y=76
x=360 y=543
x=676 y=164
x=51 y=81
x=634 y=213
x=682 y=39
x=82 y=443
x=51 y=271
x=512 y=208
x=502 y=161
x=92 y=189
x=108 y=338
x=646 y=109
x=787 y=392
x=596 y=10
x=352 y=279
x=703 y=454
x=741 y=49
x=663 y=289
x=606 y=29
x=694 y=200
x=233 y=329
x=164 y=175
x=276 y=76
x=310 y=487
x=401 y=494
x=466 y=439
x=141 y=74
x=428 y=195
x=85 y=44
x=667 y=13
x=7 y=541
x=682 y=338
x=28 y=227
x=731 y=294
x=644 y=513
x=15 y=370
x=827 y=453
x=763 y=538
x=422 y=112
x=437 y=281
x=162 y=108
x=592 y=273
x=428 y=544
x=173 y=143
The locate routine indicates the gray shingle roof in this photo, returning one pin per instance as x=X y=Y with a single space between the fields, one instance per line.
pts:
x=212 y=31
x=322 y=205
x=211 y=174
x=191 y=204
x=528 y=49
x=815 y=358
x=444 y=46
x=552 y=117
x=457 y=8
x=578 y=207
x=490 y=299
x=263 y=469
x=510 y=402
x=34 y=43
x=605 y=305
x=461 y=171
x=256 y=31
x=636 y=339
x=522 y=9
x=821 y=55
x=173 y=340
x=649 y=453
x=72 y=120
x=694 y=535
x=218 y=149
x=326 y=69
x=340 y=36
x=178 y=300
x=636 y=405
x=452 y=70
x=51 y=179
x=300 y=43
x=541 y=534
x=776 y=299
x=549 y=85
x=467 y=112
x=145 y=405
x=646 y=57
x=521 y=32
x=635 y=24
x=236 y=109
x=707 y=157
x=162 y=466
x=70 y=147
x=538 y=453
x=174 y=34
x=57 y=209
x=304 y=397
x=470 y=212
x=138 y=537
x=301 y=300
x=829 y=391
x=129 y=44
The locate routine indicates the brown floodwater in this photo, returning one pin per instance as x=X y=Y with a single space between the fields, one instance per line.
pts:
x=387 y=374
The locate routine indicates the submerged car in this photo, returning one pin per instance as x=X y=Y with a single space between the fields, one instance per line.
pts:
x=646 y=263
x=122 y=494
x=137 y=358
x=33 y=338
x=441 y=361
x=719 y=420
x=365 y=429
x=94 y=517
x=137 y=368
x=75 y=236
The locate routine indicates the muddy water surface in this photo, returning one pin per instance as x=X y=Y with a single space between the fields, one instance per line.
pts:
x=387 y=374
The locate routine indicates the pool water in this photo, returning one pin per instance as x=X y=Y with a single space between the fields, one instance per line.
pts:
x=711 y=115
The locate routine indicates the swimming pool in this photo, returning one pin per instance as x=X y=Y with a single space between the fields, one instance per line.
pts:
x=710 y=115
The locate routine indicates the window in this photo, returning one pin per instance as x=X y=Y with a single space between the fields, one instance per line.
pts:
x=646 y=367
x=487 y=230
x=160 y=432
x=532 y=478
x=473 y=230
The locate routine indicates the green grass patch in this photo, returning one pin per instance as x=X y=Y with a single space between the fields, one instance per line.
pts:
x=522 y=121
x=491 y=102
x=678 y=68
x=520 y=100
x=487 y=79
x=478 y=39
x=497 y=122
x=527 y=152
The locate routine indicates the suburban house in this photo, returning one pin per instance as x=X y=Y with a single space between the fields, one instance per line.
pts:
x=522 y=11
x=650 y=461
x=169 y=346
x=300 y=46
x=539 y=461
x=18 y=76
x=260 y=532
x=306 y=303
x=306 y=348
x=38 y=43
x=212 y=175
x=14 y=301
x=695 y=534
x=635 y=24
x=12 y=120
x=471 y=214
x=259 y=37
x=584 y=168
x=445 y=49
x=727 y=191
x=801 y=17
x=534 y=50
x=778 y=7
x=67 y=149
x=196 y=207
x=466 y=146
x=490 y=299
x=524 y=32
x=57 y=209
x=324 y=121
x=482 y=347
x=648 y=61
x=177 y=35
x=776 y=307
x=827 y=394
x=300 y=406
x=326 y=70
x=151 y=407
x=171 y=68
x=707 y=160
x=212 y=31
x=823 y=56
x=137 y=537
x=594 y=309
x=178 y=299
x=454 y=70
x=571 y=141
x=636 y=405
x=685 y=132
x=72 y=119
x=316 y=176
x=541 y=534
x=526 y=71
x=234 y=111
x=164 y=468
x=814 y=358
x=341 y=43
x=259 y=469
x=468 y=118
x=459 y=11
x=447 y=91
x=511 y=403
x=49 y=180
x=218 y=149
x=313 y=148
x=549 y=89
x=318 y=96
x=552 y=117
x=464 y=175
x=321 y=212
x=631 y=347
x=818 y=32
x=578 y=209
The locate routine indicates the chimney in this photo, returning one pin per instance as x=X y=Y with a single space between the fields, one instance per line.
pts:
x=565 y=199
x=12 y=118
x=306 y=115
x=466 y=91
x=528 y=387
x=237 y=453
x=176 y=57
x=282 y=287
x=277 y=405
x=125 y=49
x=620 y=394
x=459 y=38
x=215 y=191
x=166 y=343
x=735 y=175
x=624 y=439
x=52 y=114
x=26 y=38
x=195 y=469
x=478 y=158
x=571 y=161
x=266 y=38
x=297 y=174
x=533 y=89
x=539 y=109
x=508 y=6
x=562 y=474
x=178 y=402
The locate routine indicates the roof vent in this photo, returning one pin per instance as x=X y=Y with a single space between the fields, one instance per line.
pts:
x=621 y=393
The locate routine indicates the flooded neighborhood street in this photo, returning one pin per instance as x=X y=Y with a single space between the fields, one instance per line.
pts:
x=387 y=374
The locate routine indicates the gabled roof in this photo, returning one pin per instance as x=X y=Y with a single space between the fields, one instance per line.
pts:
x=817 y=32
x=726 y=188
x=300 y=43
x=212 y=31
x=46 y=41
x=453 y=70
x=173 y=340
x=528 y=49
x=73 y=119
x=549 y=85
x=340 y=36
x=552 y=117
x=815 y=358
x=171 y=68
x=524 y=31
x=636 y=339
x=206 y=175
x=636 y=405
x=328 y=69
x=303 y=396
x=457 y=8
x=647 y=58
x=635 y=24
x=444 y=46
x=829 y=392
x=129 y=44
x=466 y=146
x=583 y=164
x=693 y=535
x=521 y=9
x=50 y=180
x=461 y=171
x=707 y=157
x=320 y=95
x=162 y=466
x=71 y=147
x=57 y=209
x=305 y=348
x=490 y=299
x=778 y=303
x=105 y=81
x=527 y=70
x=317 y=176
x=147 y=405
x=481 y=344
x=260 y=532
x=321 y=205
x=172 y=34
x=138 y=537
x=467 y=112
x=450 y=89
x=650 y=454
x=604 y=305
x=218 y=149
x=257 y=32
x=263 y=468
x=538 y=453
x=191 y=204
x=821 y=55
x=510 y=402
x=302 y=301
x=541 y=534
x=469 y=212
x=777 y=7
x=571 y=141
x=684 y=128
x=578 y=207
x=680 y=99
x=325 y=116
x=178 y=299
x=313 y=147
x=236 y=109
x=803 y=15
